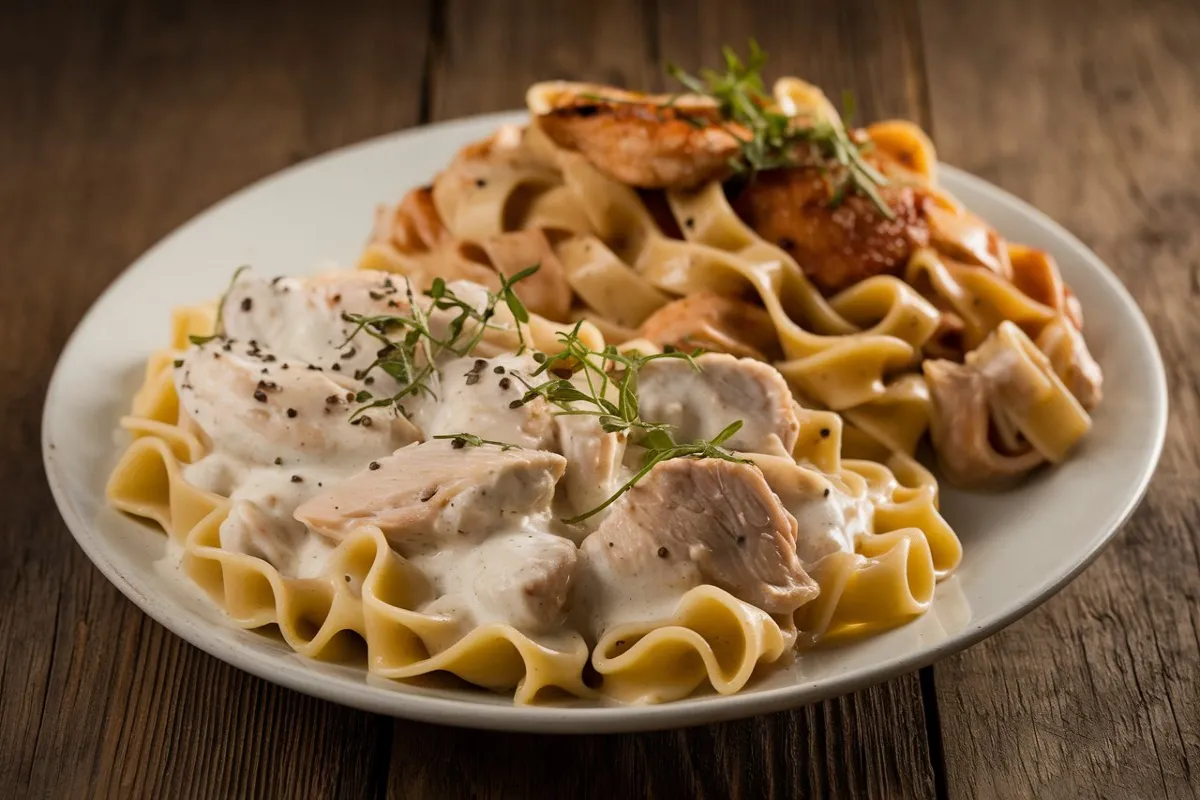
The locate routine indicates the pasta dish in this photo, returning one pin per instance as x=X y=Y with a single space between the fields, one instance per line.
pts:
x=625 y=405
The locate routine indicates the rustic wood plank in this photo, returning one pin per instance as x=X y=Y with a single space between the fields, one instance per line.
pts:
x=121 y=120
x=1088 y=110
x=871 y=744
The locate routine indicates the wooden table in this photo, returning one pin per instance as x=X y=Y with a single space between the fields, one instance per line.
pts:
x=120 y=120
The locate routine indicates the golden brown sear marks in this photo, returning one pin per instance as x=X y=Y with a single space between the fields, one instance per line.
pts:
x=645 y=144
x=836 y=244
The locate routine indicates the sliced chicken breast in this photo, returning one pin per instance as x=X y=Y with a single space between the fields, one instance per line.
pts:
x=475 y=395
x=701 y=403
x=436 y=493
x=718 y=520
x=594 y=463
x=523 y=579
x=828 y=518
x=259 y=408
x=302 y=318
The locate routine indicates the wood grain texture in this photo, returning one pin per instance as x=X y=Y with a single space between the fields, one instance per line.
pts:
x=122 y=120
x=1098 y=692
x=872 y=744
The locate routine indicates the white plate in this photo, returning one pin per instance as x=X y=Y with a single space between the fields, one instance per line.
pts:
x=1020 y=546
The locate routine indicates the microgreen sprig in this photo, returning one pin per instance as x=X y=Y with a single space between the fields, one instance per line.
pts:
x=660 y=449
x=464 y=439
x=412 y=360
x=219 y=325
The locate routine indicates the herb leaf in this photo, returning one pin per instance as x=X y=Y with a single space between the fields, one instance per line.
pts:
x=474 y=441
x=770 y=139
x=219 y=325
x=659 y=450
x=411 y=359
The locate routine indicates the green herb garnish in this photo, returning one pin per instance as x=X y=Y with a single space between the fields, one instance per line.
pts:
x=219 y=326
x=771 y=138
x=464 y=439
x=659 y=450
x=611 y=396
x=411 y=359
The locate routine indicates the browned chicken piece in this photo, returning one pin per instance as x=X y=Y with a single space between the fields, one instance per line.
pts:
x=701 y=403
x=1063 y=344
x=637 y=140
x=714 y=322
x=415 y=224
x=962 y=431
x=435 y=492
x=718 y=521
x=414 y=228
x=837 y=245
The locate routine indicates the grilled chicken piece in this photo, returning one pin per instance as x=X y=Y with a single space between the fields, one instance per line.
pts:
x=714 y=322
x=523 y=579
x=593 y=462
x=828 y=518
x=257 y=407
x=635 y=138
x=302 y=318
x=473 y=397
x=836 y=244
x=716 y=520
x=436 y=493
x=701 y=403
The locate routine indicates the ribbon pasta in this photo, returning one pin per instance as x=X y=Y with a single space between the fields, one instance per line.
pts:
x=973 y=341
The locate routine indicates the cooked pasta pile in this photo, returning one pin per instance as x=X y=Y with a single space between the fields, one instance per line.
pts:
x=886 y=309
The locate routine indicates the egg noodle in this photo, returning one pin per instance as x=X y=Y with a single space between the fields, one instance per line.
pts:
x=968 y=338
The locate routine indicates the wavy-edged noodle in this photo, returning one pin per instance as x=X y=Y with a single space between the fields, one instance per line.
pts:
x=819 y=440
x=365 y=588
x=907 y=149
x=1035 y=272
x=545 y=292
x=1009 y=388
x=714 y=322
x=890 y=576
x=410 y=240
x=899 y=417
x=604 y=282
x=712 y=637
x=1063 y=344
x=887 y=583
x=909 y=504
x=980 y=298
x=473 y=194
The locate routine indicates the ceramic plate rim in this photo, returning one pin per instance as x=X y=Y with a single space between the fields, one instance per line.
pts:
x=465 y=712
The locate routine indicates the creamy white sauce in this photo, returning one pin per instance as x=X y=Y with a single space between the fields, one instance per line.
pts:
x=276 y=398
x=649 y=591
x=471 y=396
x=486 y=583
